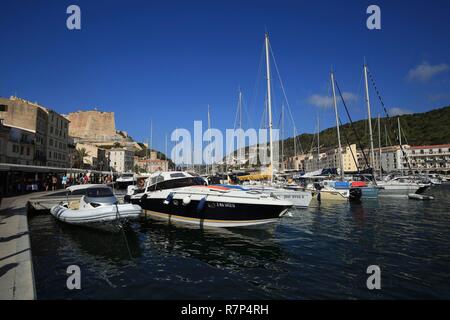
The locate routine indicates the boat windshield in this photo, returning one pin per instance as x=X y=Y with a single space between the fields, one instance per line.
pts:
x=178 y=183
x=99 y=192
x=127 y=175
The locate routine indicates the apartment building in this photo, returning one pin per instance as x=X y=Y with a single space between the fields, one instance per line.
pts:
x=330 y=159
x=121 y=160
x=57 y=140
x=16 y=145
x=47 y=130
x=432 y=159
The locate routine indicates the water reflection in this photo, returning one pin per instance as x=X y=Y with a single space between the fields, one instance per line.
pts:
x=220 y=248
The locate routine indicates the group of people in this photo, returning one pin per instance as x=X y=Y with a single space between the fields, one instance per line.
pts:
x=52 y=182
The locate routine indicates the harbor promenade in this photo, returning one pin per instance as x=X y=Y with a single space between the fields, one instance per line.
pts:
x=16 y=267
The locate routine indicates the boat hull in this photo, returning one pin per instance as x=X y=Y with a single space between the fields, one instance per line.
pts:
x=298 y=197
x=369 y=192
x=401 y=190
x=213 y=213
x=332 y=195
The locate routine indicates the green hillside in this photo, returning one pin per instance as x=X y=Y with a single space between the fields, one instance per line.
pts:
x=432 y=127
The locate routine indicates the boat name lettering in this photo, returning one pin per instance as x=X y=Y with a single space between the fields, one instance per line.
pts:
x=221 y=204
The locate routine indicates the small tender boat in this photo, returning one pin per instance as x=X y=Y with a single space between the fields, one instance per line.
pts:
x=53 y=198
x=98 y=208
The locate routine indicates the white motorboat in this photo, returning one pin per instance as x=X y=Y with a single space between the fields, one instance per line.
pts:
x=185 y=197
x=98 y=208
x=434 y=178
x=53 y=198
x=402 y=186
x=125 y=180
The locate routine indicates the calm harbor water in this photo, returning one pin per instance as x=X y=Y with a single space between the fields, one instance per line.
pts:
x=318 y=253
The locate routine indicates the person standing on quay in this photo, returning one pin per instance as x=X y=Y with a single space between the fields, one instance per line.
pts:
x=64 y=181
x=54 y=183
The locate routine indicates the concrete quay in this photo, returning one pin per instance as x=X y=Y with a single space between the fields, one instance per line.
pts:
x=16 y=266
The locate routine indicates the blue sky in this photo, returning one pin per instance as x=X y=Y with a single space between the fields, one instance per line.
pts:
x=167 y=60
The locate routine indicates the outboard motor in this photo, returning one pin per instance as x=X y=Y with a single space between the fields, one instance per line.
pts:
x=355 y=194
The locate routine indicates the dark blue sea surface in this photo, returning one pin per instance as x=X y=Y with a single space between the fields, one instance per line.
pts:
x=319 y=253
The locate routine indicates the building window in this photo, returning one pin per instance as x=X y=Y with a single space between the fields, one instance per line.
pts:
x=15 y=148
x=28 y=151
x=3 y=107
x=49 y=154
x=51 y=142
x=51 y=129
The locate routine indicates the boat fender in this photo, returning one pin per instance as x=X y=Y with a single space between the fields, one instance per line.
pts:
x=169 y=198
x=201 y=205
x=186 y=201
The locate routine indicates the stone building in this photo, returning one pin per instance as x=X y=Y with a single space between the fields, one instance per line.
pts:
x=4 y=138
x=151 y=165
x=99 y=128
x=429 y=159
x=328 y=159
x=296 y=162
x=16 y=145
x=92 y=126
x=57 y=140
x=121 y=160
x=48 y=130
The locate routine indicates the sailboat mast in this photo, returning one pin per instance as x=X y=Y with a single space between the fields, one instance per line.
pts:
x=240 y=109
x=341 y=160
x=269 y=102
x=151 y=137
x=379 y=146
x=209 y=138
x=282 y=136
x=318 y=144
x=240 y=125
x=369 y=116
x=165 y=153
x=175 y=160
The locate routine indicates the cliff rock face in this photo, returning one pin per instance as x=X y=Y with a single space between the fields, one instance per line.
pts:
x=93 y=125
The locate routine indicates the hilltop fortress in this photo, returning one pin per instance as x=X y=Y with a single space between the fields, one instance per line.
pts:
x=93 y=125
x=98 y=128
